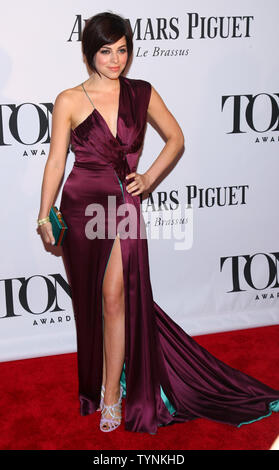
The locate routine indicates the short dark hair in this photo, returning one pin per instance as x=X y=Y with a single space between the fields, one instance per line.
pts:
x=105 y=28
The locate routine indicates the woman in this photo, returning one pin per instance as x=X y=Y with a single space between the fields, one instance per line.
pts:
x=127 y=345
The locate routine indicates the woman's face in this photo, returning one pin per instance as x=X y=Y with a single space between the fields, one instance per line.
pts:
x=111 y=59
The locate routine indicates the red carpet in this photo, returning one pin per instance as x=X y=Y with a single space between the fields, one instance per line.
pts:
x=40 y=409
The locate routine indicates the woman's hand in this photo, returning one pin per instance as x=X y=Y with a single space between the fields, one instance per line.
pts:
x=140 y=184
x=46 y=231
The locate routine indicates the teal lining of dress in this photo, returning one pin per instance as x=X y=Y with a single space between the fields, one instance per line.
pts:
x=168 y=404
x=121 y=186
x=273 y=407
x=165 y=399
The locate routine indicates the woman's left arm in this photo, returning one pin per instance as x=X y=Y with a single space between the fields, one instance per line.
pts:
x=170 y=128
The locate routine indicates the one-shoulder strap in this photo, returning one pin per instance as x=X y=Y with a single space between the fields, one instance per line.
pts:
x=87 y=95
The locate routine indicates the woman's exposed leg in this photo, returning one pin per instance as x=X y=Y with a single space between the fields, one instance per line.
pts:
x=114 y=324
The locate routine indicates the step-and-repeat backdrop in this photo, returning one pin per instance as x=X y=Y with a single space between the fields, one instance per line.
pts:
x=215 y=65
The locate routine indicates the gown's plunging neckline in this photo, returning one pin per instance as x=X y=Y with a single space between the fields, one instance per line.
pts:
x=95 y=110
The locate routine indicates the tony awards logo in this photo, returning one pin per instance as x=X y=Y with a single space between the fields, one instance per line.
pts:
x=27 y=124
x=253 y=114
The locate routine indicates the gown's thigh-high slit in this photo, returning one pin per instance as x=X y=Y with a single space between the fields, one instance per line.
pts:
x=116 y=247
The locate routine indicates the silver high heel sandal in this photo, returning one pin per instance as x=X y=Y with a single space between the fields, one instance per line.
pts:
x=115 y=419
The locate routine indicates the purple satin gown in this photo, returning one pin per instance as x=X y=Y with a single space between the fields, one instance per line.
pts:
x=167 y=376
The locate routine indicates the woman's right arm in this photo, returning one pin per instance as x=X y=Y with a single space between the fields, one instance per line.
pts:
x=55 y=165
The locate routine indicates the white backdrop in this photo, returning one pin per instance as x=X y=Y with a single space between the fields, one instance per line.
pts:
x=214 y=65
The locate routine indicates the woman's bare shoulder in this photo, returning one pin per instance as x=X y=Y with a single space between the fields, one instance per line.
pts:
x=69 y=95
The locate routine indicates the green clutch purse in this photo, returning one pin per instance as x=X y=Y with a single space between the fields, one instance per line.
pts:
x=59 y=227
